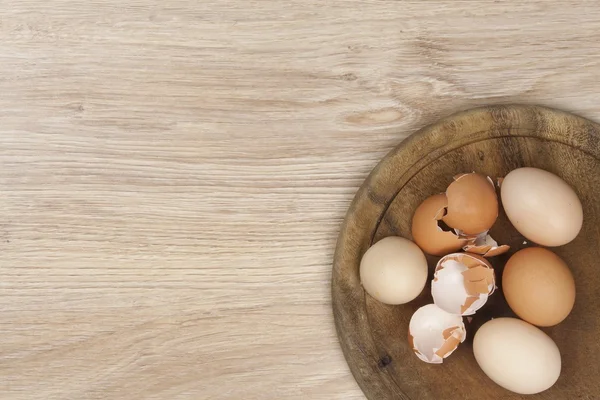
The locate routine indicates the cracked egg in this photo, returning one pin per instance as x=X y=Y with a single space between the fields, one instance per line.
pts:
x=472 y=204
x=434 y=334
x=429 y=231
x=462 y=283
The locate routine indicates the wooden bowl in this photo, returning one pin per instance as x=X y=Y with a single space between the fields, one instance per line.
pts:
x=493 y=141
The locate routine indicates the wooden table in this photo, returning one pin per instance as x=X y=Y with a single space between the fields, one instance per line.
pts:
x=174 y=173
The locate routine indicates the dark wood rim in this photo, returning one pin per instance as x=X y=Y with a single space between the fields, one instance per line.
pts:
x=383 y=185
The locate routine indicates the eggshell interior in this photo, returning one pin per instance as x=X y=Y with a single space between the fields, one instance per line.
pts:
x=462 y=283
x=434 y=334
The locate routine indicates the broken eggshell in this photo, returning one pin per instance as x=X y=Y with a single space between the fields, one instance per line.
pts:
x=472 y=204
x=427 y=231
x=462 y=283
x=434 y=334
x=483 y=244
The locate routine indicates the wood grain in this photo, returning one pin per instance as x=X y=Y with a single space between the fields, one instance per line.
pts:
x=492 y=141
x=173 y=174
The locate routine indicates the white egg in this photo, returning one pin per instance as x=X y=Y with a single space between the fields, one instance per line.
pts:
x=541 y=206
x=517 y=355
x=434 y=334
x=394 y=270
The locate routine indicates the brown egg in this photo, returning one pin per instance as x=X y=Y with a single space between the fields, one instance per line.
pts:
x=427 y=233
x=472 y=204
x=538 y=286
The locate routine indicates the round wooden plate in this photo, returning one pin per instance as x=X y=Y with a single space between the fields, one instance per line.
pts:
x=493 y=141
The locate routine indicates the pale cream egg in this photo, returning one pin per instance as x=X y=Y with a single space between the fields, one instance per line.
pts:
x=517 y=355
x=394 y=270
x=541 y=206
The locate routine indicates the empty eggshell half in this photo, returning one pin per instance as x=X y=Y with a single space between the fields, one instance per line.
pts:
x=426 y=229
x=434 y=334
x=462 y=283
x=472 y=204
x=483 y=244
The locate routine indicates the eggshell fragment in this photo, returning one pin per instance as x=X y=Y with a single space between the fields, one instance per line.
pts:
x=472 y=204
x=434 y=334
x=462 y=283
x=426 y=229
x=483 y=244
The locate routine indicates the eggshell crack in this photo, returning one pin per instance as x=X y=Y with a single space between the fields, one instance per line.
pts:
x=435 y=334
x=441 y=212
x=429 y=231
x=448 y=347
x=485 y=245
x=462 y=283
x=459 y=176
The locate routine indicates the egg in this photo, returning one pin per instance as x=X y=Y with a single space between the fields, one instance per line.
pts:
x=393 y=270
x=517 y=356
x=541 y=206
x=428 y=233
x=472 y=204
x=462 y=283
x=434 y=334
x=538 y=286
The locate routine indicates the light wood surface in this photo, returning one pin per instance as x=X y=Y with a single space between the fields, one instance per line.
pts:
x=173 y=174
